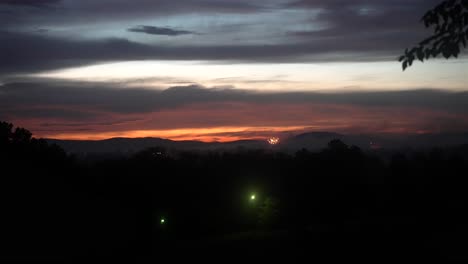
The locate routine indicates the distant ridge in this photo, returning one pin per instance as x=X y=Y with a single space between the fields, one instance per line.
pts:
x=133 y=145
x=318 y=135
x=311 y=140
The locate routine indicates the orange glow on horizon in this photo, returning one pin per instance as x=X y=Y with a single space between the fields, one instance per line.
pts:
x=216 y=134
x=231 y=121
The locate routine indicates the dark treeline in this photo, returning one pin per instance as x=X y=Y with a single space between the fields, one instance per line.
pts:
x=339 y=203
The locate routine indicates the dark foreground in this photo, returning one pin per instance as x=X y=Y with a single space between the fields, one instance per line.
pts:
x=338 y=204
x=325 y=246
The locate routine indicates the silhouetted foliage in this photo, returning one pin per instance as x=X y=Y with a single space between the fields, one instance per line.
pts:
x=450 y=22
x=268 y=213
x=309 y=205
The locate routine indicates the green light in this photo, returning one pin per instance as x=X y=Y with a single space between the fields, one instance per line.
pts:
x=252 y=197
x=162 y=221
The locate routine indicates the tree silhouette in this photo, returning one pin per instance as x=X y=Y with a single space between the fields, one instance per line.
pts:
x=337 y=145
x=17 y=136
x=268 y=212
x=450 y=22
x=5 y=133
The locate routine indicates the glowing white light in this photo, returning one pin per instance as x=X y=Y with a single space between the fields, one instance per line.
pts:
x=273 y=141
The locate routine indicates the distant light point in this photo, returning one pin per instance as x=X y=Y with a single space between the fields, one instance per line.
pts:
x=162 y=221
x=273 y=141
x=252 y=197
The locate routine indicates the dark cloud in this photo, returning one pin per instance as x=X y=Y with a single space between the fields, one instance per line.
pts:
x=360 y=29
x=159 y=31
x=384 y=4
x=27 y=99
x=37 y=52
x=35 y=3
x=83 y=11
x=373 y=24
x=43 y=111
x=354 y=30
x=161 y=7
x=64 y=109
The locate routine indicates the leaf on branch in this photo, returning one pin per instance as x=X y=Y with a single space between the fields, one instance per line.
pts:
x=449 y=20
x=420 y=54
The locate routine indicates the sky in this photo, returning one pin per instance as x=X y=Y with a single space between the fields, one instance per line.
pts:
x=223 y=70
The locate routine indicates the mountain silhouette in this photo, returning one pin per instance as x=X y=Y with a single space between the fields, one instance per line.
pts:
x=310 y=141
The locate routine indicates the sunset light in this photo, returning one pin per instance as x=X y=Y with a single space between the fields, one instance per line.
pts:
x=214 y=134
x=232 y=130
x=273 y=141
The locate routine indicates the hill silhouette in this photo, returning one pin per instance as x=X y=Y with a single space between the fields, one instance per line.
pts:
x=334 y=204
x=312 y=141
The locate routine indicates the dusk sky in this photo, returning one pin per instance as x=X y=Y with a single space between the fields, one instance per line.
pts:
x=221 y=70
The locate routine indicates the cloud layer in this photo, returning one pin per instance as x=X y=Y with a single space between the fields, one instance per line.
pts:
x=35 y=3
x=41 y=35
x=159 y=31
x=321 y=31
x=68 y=108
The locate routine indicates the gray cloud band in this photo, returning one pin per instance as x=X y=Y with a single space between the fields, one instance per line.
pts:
x=362 y=29
x=40 y=99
